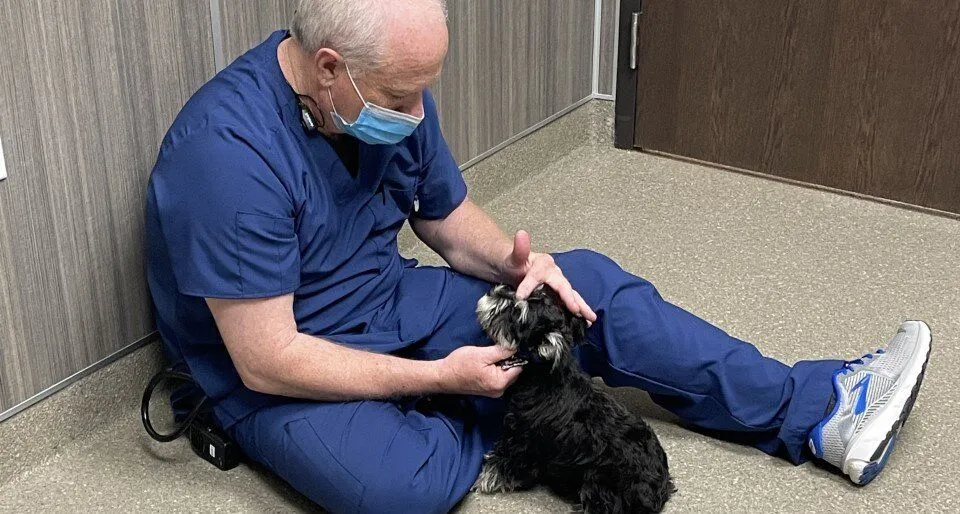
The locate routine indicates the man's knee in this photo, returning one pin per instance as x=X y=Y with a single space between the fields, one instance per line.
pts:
x=593 y=274
x=418 y=473
x=585 y=259
x=399 y=493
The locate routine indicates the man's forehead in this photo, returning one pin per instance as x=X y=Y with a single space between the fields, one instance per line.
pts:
x=410 y=66
x=397 y=78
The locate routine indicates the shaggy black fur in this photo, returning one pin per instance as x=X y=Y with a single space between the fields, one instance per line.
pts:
x=560 y=429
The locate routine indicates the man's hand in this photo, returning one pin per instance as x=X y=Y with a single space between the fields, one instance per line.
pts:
x=528 y=270
x=472 y=243
x=474 y=370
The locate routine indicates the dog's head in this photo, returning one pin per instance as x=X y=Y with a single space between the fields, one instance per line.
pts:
x=539 y=326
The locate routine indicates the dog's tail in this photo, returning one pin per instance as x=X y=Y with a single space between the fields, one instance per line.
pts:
x=651 y=495
x=647 y=493
x=660 y=496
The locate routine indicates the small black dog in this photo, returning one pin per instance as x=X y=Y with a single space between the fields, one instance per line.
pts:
x=560 y=429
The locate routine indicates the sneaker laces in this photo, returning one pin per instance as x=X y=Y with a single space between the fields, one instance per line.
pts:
x=856 y=364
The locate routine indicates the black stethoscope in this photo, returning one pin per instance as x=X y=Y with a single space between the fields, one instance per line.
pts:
x=307 y=119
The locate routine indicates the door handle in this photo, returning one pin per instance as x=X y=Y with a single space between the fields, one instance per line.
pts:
x=634 y=31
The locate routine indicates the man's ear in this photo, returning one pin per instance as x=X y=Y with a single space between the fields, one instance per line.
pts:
x=330 y=65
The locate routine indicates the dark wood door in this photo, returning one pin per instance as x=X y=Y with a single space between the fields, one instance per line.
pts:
x=862 y=96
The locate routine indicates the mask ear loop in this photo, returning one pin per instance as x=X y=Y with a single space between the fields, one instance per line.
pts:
x=368 y=105
x=355 y=88
x=332 y=104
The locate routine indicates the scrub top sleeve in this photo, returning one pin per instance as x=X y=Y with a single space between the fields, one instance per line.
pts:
x=228 y=220
x=441 y=188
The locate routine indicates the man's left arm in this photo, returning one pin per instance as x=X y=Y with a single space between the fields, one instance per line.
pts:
x=472 y=243
x=465 y=236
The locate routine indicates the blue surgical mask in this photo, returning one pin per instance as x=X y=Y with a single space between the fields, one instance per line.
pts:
x=375 y=125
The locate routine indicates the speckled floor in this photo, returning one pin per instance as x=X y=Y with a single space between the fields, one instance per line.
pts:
x=800 y=273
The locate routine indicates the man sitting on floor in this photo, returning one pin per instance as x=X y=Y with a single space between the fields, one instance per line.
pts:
x=273 y=213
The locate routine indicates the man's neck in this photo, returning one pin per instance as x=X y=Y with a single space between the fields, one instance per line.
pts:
x=293 y=60
x=290 y=57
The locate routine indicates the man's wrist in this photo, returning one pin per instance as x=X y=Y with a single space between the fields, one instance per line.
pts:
x=438 y=375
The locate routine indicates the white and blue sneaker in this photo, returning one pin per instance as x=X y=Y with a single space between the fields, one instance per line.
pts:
x=873 y=396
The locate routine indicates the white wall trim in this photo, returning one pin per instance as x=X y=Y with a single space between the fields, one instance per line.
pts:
x=3 y=164
x=526 y=132
x=604 y=97
x=597 y=27
x=76 y=377
x=217 y=32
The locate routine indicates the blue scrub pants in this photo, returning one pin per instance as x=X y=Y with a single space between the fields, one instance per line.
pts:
x=388 y=456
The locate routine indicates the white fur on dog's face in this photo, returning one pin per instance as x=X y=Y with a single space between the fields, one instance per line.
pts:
x=492 y=305
x=501 y=315
x=552 y=347
x=524 y=307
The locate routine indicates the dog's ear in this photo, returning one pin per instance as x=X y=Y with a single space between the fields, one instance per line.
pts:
x=524 y=319
x=577 y=327
x=494 y=307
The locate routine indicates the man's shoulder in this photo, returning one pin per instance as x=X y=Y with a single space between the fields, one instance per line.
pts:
x=226 y=103
x=224 y=129
x=239 y=99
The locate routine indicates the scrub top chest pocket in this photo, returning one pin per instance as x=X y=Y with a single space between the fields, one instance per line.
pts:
x=393 y=204
x=402 y=175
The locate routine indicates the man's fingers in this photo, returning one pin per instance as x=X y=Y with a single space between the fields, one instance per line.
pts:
x=560 y=284
x=588 y=313
x=512 y=374
x=497 y=353
x=521 y=249
x=529 y=283
x=536 y=275
x=544 y=271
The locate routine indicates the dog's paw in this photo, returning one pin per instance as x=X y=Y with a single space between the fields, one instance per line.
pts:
x=490 y=480
x=497 y=477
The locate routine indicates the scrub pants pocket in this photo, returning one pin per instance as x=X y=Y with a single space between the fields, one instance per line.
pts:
x=300 y=443
x=330 y=480
x=367 y=456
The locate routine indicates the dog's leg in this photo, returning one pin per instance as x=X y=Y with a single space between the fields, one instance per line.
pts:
x=626 y=486
x=503 y=473
x=599 y=493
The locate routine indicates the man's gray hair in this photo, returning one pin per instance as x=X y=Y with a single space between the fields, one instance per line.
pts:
x=356 y=29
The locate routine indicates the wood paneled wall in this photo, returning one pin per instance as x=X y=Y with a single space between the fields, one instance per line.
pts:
x=89 y=88
x=87 y=91
x=608 y=50
x=510 y=66
x=511 y=63
x=245 y=23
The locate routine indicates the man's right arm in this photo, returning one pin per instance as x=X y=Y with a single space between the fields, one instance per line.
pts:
x=272 y=357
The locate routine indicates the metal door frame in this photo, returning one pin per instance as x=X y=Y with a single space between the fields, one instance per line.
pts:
x=628 y=64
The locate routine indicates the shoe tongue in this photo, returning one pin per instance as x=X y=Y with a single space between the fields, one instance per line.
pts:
x=862 y=361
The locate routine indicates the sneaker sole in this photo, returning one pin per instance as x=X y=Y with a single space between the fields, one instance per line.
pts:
x=869 y=451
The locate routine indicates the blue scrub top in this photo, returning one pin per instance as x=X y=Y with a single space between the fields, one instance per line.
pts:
x=243 y=203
